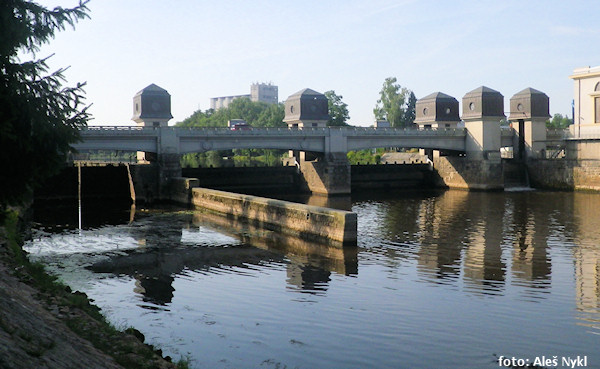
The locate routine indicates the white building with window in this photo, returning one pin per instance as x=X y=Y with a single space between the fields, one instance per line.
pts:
x=587 y=102
x=258 y=92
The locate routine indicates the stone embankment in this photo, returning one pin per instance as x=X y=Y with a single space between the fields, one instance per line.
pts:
x=45 y=325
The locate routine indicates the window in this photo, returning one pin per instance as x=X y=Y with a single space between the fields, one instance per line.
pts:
x=597 y=103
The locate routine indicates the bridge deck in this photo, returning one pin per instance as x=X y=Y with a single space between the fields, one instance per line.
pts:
x=132 y=138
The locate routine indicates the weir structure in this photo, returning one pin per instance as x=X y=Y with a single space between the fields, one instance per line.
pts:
x=463 y=156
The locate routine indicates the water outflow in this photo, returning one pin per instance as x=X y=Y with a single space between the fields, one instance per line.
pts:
x=516 y=177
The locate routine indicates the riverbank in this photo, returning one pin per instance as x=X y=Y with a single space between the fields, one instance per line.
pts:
x=43 y=324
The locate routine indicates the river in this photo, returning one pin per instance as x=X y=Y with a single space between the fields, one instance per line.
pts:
x=439 y=279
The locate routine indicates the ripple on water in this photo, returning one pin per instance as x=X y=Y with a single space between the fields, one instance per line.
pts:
x=438 y=280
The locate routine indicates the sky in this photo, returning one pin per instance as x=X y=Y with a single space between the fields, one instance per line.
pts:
x=197 y=49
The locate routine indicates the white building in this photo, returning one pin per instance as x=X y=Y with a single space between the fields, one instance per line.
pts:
x=587 y=102
x=265 y=92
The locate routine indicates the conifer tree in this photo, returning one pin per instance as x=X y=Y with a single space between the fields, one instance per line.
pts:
x=39 y=117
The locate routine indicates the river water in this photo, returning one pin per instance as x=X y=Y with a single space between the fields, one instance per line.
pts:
x=449 y=279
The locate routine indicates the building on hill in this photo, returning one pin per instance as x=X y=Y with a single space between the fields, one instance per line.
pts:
x=265 y=92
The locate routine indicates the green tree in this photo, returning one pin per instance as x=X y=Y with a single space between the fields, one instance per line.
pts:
x=559 y=121
x=338 y=110
x=410 y=114
x=257 y=114
x=272 y=116
x=39 y=118
x=396 y=104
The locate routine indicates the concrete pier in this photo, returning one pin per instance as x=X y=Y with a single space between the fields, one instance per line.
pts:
x=303 y=221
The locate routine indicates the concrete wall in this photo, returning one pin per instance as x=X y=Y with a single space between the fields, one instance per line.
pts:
x=247 y=179
x=580 y=170
x=181 y=189
x=462 y=173
x=583 y=175
x=146 y=182
x=341 y=260
x=328 y=175
x=583 y=149
x=391 y=176
x=303 y=221
x=288 y=180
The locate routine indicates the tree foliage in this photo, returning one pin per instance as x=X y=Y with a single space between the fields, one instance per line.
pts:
x=257 y=114
x=396 y=104
x=559 y=121
x=39 y=118
x=338 y=110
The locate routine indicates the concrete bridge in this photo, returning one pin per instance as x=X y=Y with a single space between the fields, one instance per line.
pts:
x=326 y=172
x=174 y=140
x=465 y=155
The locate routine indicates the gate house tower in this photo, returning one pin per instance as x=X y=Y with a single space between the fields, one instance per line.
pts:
x=152 y=107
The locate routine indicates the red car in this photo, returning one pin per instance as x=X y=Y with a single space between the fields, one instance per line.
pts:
x=241 y=127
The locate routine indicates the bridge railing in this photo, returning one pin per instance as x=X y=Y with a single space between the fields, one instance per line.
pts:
x=363 y=131
x=307 y=131
x=323 y=131
x=118 y=128
x=220 y=131
x=557 y=133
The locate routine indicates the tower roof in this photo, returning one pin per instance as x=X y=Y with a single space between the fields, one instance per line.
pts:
x=528 y=104
x=438 y=96
x=152 y=89
x=306 y=105
x=436 y=107
x=482 y=91
x=528 y=91
x=483 y=102
x=306 y=92
x=152 y=104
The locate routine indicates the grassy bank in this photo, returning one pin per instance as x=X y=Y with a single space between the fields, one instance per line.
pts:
x=73 y=309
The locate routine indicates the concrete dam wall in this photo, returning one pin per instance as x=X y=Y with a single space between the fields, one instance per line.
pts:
x=303 y=221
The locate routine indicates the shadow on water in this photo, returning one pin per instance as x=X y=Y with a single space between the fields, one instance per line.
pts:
x=490 y=257
x=452 y=235
x=57 y=216
x=163 y=254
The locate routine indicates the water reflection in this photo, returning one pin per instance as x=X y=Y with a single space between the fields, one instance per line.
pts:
x=475 y=237
x=490 y=257
x=529 y=230
x=169 y=245
x=310 y=264
x=439 y=221
x=154 y=270
x=587 y=258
